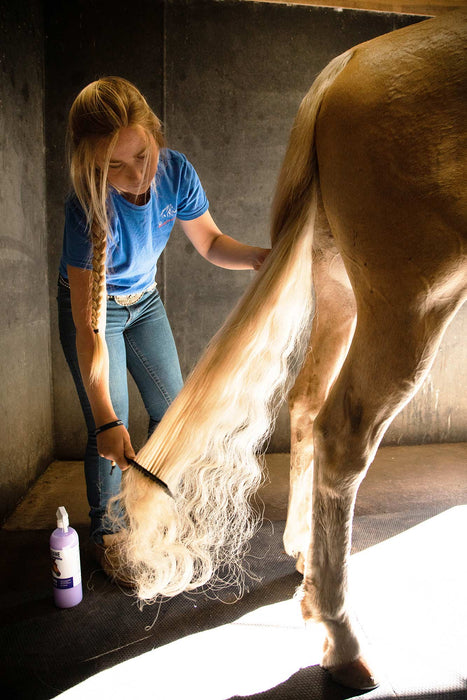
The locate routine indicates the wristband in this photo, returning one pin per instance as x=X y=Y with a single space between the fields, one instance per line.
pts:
x=107 y=426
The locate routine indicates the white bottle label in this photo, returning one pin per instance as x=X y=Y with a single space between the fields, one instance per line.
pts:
x=66 y=568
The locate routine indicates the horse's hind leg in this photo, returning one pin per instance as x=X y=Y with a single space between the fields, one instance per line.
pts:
x=332 y=329
x=391 y=352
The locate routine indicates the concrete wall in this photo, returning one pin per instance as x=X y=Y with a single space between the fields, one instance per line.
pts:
x=226 y=78
x=438 y=413
x=26 y=445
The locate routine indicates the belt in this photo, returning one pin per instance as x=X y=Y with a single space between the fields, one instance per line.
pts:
x=129 y=299
x=121 y=299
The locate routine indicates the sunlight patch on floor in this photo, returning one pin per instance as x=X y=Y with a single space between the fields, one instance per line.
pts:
x=409 y=593
x=253 y=654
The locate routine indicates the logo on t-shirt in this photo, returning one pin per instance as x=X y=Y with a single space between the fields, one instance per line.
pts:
x=168 y=214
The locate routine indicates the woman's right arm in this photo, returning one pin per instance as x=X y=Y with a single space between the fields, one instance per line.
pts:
x=113 y=444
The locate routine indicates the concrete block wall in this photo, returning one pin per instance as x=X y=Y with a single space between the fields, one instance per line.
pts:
x=226 y=77
x=26 y=428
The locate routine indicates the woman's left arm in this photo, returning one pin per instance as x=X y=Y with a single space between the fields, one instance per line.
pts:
x=222 y=250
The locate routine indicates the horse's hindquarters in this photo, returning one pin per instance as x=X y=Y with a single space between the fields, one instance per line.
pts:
x=391 y=141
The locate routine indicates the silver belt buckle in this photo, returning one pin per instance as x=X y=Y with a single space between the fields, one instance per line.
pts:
x=129 y=299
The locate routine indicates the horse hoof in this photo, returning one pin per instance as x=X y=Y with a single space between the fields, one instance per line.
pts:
x=354 y=674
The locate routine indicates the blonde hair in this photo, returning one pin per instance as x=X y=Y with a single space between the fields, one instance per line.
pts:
x=98 y=113
x=207 y=446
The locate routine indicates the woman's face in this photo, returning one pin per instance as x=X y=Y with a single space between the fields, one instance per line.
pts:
x=133 y=161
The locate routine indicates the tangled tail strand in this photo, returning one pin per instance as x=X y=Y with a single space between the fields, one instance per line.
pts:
x=207 y=447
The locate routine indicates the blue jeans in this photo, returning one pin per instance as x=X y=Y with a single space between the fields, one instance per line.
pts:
x=139 y=338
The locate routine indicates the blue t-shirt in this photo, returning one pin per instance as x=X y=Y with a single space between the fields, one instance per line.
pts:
x=139 y=234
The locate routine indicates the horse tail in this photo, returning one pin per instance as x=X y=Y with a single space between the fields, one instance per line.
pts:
x=207 y=446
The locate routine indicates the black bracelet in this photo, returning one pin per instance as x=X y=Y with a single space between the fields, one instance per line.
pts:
x=107 y=426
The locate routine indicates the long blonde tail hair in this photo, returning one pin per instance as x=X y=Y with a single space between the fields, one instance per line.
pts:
x=207 y=446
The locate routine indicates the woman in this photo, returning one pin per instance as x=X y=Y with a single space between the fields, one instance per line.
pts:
x=128 y=190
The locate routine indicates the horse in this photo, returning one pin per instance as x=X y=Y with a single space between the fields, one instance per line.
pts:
x=390 y=272
x=371 y=211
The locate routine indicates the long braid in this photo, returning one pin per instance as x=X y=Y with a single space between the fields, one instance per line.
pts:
x=98 y=293
x=98 y=277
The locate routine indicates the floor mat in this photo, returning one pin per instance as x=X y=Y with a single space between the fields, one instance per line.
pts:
x=407 y=593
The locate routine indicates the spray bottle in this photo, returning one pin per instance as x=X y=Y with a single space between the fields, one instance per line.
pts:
x=66 y=567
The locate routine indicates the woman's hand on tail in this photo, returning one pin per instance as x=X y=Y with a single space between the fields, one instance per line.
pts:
x=115 y=445
x=259 y=255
